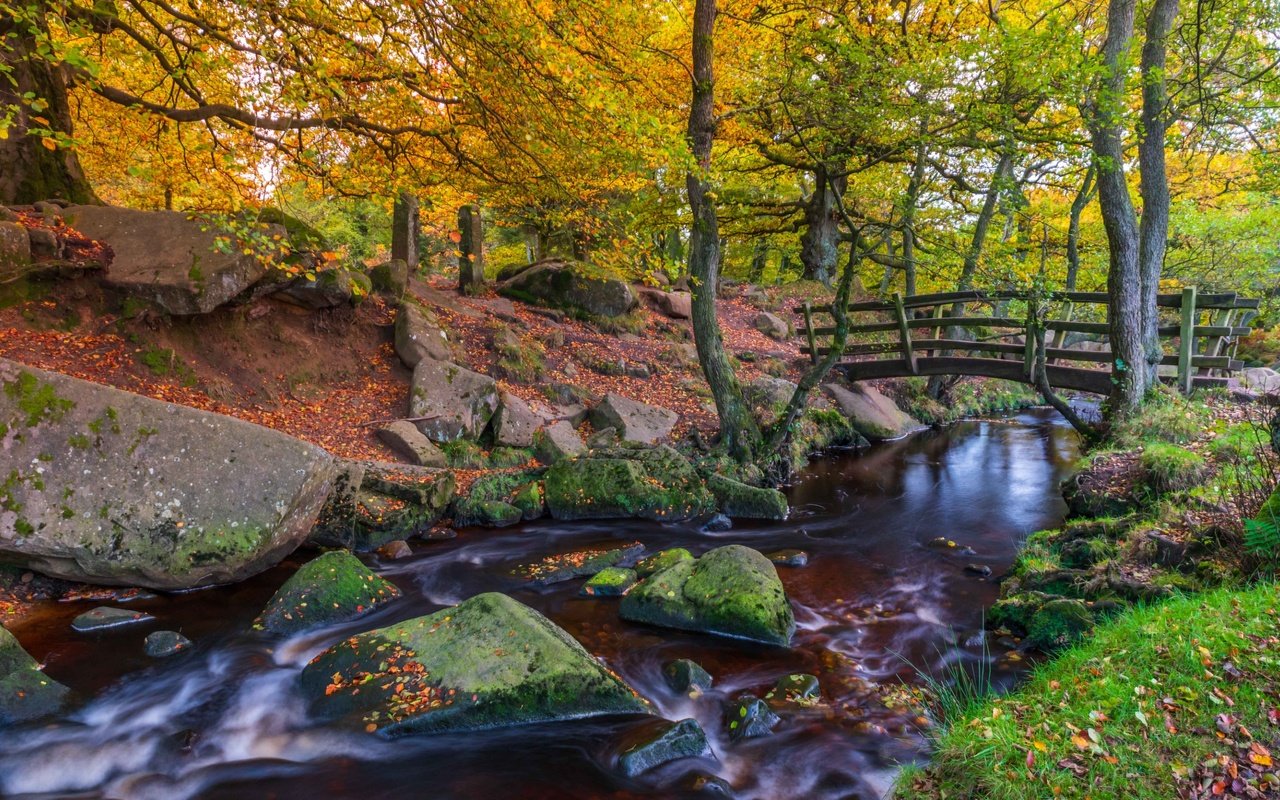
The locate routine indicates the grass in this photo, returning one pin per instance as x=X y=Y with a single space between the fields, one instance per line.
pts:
x=1161 y=701
x=1170 y=468
x=164 y=362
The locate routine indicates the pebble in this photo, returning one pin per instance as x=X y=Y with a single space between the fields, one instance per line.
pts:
x=717 y=524
x=981 y=570
x=160 y=644
x=396 y=549
x=789 y=558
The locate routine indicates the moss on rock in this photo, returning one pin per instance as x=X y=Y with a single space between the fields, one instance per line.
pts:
x=740 y=501
x=649 y=483
x=25 y=692
x=489 y=662
x=660 y=561
x=731 y=591
x=610 y=582
x=333 y=588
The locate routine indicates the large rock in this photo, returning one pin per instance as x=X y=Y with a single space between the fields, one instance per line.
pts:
x=185 y=266
x=514 y=423
x=673 y=305
x=634 y=421
x=375 y=503
x=731 y=591
x=772 y=325
x=664 y=743
x=418 y=337
x=25 y=692
x=110 y=487
x=489 y=662
x=657 y=484
x=328 y=289
x=1261 y=379
x=560 y=283
x=449 y=402
x=558 y=441
x=405 y=438
x=327 y=590
x=740 y=501
x=15 y=250
x=873 y=415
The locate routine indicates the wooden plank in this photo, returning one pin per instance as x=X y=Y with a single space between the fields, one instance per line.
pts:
x=1096 y=381
x=1217 y=300
x=1077 y=327
x=1199 y=381
x=904 y=333
x=1187 y=340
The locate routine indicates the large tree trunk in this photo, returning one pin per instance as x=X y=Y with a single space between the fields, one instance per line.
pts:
x=738 y=431
x=819 y=244
x=1124 y=288
x=29 y=169
x=1073 y=227
x=1153 y=229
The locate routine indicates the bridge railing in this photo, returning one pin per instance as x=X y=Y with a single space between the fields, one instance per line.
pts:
x=921 y=338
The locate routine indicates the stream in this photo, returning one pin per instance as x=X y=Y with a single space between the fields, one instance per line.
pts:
x=874 y=605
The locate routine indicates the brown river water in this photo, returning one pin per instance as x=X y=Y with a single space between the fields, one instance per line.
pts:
x=874 y=606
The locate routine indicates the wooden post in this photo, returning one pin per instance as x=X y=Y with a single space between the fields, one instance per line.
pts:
x=1187 y=339
x=1029 y=342
x=1067 y=311
x=904 y=334
x=808 y=328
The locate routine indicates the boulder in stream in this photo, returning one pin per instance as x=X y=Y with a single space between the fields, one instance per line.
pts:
x=610 y=582
x=686 y=676
x=105 y=617
x=114 y=488
x=663 y=743
x=737 y=500
x=731 y=591
x=489 y=662
x=25 y=692
x=162 y=644
x=749 y=717
x=327 y=590
x=873 y=415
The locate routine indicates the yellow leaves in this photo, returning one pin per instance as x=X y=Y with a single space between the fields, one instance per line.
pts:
x=49 y=144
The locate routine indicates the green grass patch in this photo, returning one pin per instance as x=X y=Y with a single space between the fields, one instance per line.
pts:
x=1161 y=701
x=165 y=363
x=1170 y=468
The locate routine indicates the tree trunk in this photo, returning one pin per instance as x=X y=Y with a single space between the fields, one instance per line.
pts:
x=909 y=204
x=738 y=431
x=1153 y=229
x=470 y=249
x=821 y=238
x=759 y=258
x=30 y=170
x=1124 y=289
x=1073 y=227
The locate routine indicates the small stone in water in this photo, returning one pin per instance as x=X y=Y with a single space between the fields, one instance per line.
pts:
x=685 y=676
x=104 y=617
x=981 y=570
x=395 y=549
x=795 y=687
x=748 y=718
x=788 y=558
x=943 y=543
x=159 y=644
x=717 y=524
x=437 y=534
x=674 y=740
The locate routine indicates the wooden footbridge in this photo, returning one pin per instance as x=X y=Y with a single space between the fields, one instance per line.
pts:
x=917 y=336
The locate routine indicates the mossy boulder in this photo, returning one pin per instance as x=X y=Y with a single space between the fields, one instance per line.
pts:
x=660 y=561
x=731 y=591
x=686 y=677
x=610 y=582
x=740 y=501
x=570 y=285
x=489 y=662
x=656 y=484
x=109 y=487
x=749 y=717
x=25 y=692
x=376 y=503
x=330 y=589
x=498 y=500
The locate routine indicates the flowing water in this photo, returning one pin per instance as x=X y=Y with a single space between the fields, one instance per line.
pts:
x=874 y=605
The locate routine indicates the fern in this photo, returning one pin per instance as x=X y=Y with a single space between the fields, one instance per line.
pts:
x=1262 y=537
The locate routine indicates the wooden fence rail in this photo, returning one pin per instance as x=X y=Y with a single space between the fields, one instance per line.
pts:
x=1208 y=326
